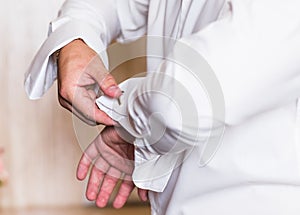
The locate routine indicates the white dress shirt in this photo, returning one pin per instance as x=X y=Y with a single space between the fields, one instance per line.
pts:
x=253 y=49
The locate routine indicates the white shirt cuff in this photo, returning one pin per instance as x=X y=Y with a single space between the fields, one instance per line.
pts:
x=152 y=171
x=43 y=70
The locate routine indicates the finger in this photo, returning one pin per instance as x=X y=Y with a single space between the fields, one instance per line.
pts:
x=84 y=164
x=74 y=111
x=93 y=115
x=107 y=187
x=104 y=79
x=123 y=194
x=86 y=105
x=96 y=178
x=110 y=87
x=143 y=194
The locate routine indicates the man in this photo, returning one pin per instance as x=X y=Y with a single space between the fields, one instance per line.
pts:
x=253 y=49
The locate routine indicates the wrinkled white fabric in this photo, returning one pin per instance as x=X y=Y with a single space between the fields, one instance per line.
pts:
x=253 y=47
x=146 y=173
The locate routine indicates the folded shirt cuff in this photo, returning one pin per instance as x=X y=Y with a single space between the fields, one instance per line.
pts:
x=152 y=171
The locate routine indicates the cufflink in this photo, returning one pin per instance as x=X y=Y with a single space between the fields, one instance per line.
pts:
x=119 y=99
x=117 y=109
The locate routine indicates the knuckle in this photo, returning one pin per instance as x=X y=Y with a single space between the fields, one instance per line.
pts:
x=109 y=77
x=108 y=81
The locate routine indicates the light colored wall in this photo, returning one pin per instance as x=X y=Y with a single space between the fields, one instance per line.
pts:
x=41 y=146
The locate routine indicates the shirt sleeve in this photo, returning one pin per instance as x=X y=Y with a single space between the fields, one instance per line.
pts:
x=97 y=23
x=238 y=67
x=94 y=21
x=253 y=56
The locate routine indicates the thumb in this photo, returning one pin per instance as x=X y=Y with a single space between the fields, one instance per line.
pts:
x=105 y=80
x=110 y=87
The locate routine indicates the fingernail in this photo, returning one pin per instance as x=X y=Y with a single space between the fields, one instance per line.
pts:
x=115 y=91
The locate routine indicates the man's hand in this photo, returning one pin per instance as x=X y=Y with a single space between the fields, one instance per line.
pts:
x=113 y=161
x=80 y=71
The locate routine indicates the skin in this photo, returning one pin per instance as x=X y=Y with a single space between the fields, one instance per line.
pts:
x=80 y=68
x=111 y=160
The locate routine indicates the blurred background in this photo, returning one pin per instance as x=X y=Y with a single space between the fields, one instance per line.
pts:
x=41 y=145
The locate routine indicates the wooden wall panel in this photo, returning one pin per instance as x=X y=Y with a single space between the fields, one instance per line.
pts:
x=41 y=146
x=41 y=150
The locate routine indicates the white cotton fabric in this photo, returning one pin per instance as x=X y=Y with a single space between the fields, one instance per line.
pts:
x=149 y=170
x=253 y=47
